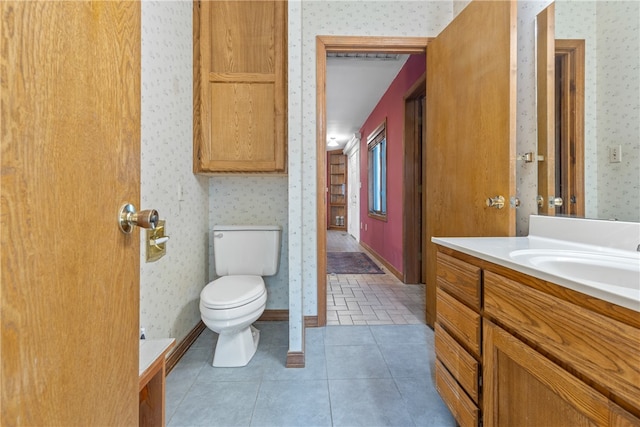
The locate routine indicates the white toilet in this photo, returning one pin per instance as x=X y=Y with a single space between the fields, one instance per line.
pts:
x=230 y=304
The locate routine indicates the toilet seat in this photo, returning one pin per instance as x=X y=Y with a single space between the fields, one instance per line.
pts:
x=232 y=291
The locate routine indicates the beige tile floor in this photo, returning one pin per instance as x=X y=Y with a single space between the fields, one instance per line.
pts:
x=370 y=299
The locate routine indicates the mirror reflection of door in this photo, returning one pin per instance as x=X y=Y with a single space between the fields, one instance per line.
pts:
x=569 y=126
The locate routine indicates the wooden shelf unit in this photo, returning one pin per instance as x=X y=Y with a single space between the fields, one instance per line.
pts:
x=337 y=183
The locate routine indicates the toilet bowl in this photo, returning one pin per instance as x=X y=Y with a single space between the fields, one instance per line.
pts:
x=230 y=304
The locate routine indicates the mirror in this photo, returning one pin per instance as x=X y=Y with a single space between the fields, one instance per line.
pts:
x=588 y=72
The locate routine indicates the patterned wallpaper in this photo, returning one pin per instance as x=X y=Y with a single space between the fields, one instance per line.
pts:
x=618 y=94
x=254 y=200
x=612 y=101
x=170 y=287
x=296 y=316
x=578 y=21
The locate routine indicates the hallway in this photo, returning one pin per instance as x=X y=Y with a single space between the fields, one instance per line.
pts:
x=370 y=299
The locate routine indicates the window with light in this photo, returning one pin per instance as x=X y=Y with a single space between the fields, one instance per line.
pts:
x=377 y=148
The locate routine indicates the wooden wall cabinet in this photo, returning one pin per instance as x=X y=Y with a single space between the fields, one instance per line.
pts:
x=549 y=356
x=240 y=86
x=337 y=206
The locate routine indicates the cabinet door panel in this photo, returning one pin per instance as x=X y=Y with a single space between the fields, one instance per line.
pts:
x=235 y=126
x=522 y=388
x=240 y=107
x=598 y=347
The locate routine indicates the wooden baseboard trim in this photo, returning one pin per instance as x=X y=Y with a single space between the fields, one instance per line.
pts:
x=281 y=315
x=295 y=359
x=274 y=316
x=384 y=262
x=310 y=321
x=183 y=346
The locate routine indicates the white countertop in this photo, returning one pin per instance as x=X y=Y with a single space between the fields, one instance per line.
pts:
x=150 y=350
x=498 y=249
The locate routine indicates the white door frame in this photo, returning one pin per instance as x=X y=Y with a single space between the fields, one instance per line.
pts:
x=352 y=151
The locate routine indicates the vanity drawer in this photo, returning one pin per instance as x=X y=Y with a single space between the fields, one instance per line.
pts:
x=459 y=320
x=460 y=279
x=462 y=366
x=463 y=409
x=599 y=348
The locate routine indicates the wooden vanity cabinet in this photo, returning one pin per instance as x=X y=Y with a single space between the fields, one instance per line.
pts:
x=240 y=86
x=549 y=355
x=458 y=338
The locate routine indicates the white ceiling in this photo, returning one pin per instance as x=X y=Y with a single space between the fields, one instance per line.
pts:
x=354 y=87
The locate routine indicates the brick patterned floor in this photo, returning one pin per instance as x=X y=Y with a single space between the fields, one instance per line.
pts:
x=370 y=299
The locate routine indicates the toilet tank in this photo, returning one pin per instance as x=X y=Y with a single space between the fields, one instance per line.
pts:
x=246 y=249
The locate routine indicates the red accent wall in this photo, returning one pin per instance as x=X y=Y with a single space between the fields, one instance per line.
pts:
x=385 y=238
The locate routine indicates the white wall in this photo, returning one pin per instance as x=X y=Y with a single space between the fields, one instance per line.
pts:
x=618 y=108
x=572 y=18
x=612 y=101
x=170 y=287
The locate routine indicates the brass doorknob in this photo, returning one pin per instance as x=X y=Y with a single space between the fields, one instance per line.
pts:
x=495 y=202
x=555 y=201
x=129 y=218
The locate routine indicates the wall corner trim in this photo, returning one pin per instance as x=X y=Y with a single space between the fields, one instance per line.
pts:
x=295 y=359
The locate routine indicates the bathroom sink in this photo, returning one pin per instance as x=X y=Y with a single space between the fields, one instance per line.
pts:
x=594 y=268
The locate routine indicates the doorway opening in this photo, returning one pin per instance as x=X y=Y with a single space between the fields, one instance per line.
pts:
x=324 y=45
x=414 y=137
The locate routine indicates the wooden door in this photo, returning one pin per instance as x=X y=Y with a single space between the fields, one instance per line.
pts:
x=545 y=24
x=70 y=159
x=471 y=115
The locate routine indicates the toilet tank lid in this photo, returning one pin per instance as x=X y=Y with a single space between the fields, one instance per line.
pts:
x=247 y=228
